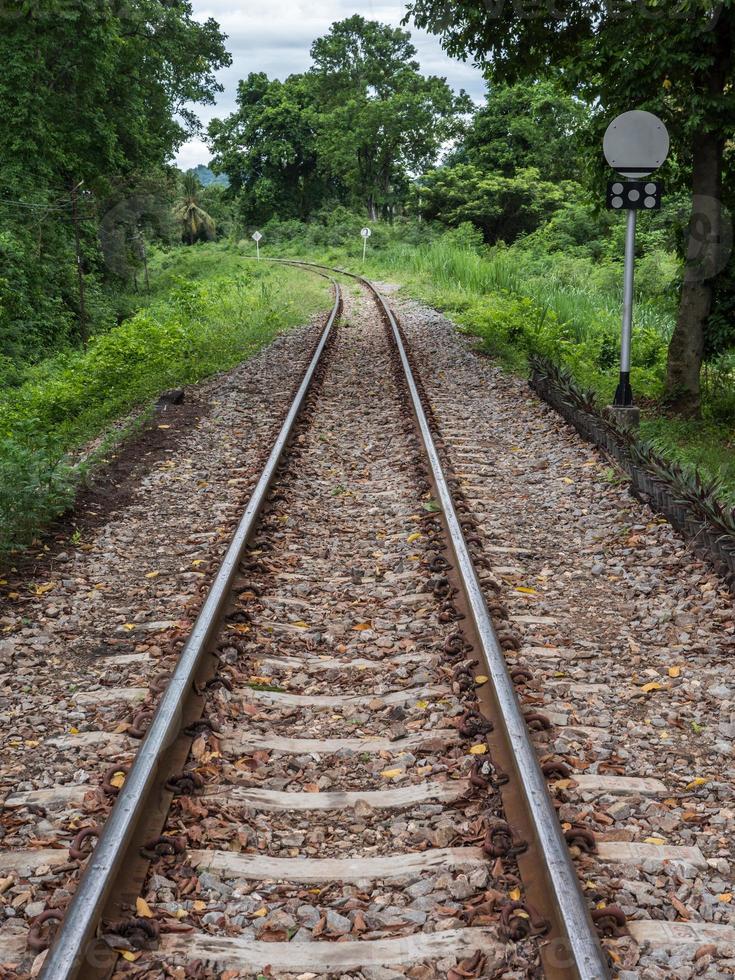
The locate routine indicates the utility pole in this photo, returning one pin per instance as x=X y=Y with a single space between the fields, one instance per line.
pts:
x=80 y=272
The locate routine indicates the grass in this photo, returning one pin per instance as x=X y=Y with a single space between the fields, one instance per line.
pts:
x=208 y=311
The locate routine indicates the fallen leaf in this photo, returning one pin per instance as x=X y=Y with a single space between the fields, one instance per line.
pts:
x=654 y=840
x=129 y=955
x=481 y=679
x=164 y=426
x=118 y=780
x=128 y=626
x=515 y=894
x=413 y=537
x=362 y=626
x=652 y=686
x=143 y=908
x=674 y=671
x=698 y=781
x=43 y=589
x=725 y=897
x=391 y=773
x=258 y=914
x=526 y=590
x=152 y=574
x=199 y=906
x=478 y=750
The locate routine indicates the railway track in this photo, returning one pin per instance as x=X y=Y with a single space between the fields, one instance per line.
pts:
x=314 y=795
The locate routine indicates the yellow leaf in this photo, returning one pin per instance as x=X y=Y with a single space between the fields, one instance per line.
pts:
x=362 y=626
x=130 y=956
x=725 y=897
x=422 y=704
x=13 y=595
x=164 y=426
x=674 y=671
x=143 y=908
x=478 y=750
x=654 y=840
x=152 y=574
x=515 y=894
x=523 y=588
x=391 y=773
x=32 y=743
x=481 y=679
x=413 y=537
x=199 y=906
x=181 y=913
x=128 y=626
x=118 y=780
x=43 y=589
x=301 y=624
x=666 y=83
x=565 y=479
x=239 y=627
x=73 y=730
x=198 y=561
x=652 y=686
x=259 y=913
x=698 y=781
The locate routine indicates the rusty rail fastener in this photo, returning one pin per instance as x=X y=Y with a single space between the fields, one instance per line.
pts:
x=519 y=920
x=582 y=837
x=40 y=939
x=163 y=846
x=471 y=723
x=499 y=841
x=75 y=848
x=609 y=920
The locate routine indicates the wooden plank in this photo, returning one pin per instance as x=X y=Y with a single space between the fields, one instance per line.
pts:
x=619 y=785
x=25 y=863
x=250 y=742
x=402 y=796
x=666 y=934
x=344 y=700
x=325 y=957
x=108 y=695
x=13 y=949
x=622 y=852
x=53 y=798
x=261 y=866
x=86 y=740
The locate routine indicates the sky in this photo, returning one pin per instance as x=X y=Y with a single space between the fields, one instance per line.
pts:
x=275 y=36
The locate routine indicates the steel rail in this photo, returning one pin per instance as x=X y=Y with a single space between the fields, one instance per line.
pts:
x=582 y=949
x=66 y=956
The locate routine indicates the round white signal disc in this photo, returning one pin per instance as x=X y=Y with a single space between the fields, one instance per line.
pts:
x=636 y=143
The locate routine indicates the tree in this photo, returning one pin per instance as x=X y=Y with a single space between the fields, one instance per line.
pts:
x=380 y=119
x=530 y=124
x=352 y=129
x=267 y=148
x=503 y=207
x=93 y=95
x=675 y=60
x=196 y=224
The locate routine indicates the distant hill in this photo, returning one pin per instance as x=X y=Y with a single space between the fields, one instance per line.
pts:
x=206 y=176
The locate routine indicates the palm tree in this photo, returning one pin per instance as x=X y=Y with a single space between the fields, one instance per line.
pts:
x=196 y=224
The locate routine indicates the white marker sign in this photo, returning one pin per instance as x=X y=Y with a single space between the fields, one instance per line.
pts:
x=366 y=233
x=256 y=238
x=636 y=143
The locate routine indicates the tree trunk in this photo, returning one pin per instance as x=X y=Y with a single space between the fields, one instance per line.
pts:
x=372 y=209
x=687 y=343
x=703 y=246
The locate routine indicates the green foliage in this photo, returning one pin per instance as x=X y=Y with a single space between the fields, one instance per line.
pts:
x=352 y=129
x=91 y=96
x=194 y=327
x=503 y=207
x=533 y=124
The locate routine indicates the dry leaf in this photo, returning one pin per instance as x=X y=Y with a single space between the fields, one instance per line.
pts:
x=199 y=906
x=413 y=537
x=143 y=908
x=698 y=781
x=654 y=840
x=523 y=588
x=478 y=750
x=362 y=626
x=130 y=956
x=152 y=574
x=515 y=894
x=725 y=897
x=674 y=671
x=391 y=773
x=652 y=686
x=259 y=913
x=481 y=679
x=117 y=780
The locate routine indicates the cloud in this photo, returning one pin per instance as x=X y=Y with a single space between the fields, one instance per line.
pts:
x=275 y=36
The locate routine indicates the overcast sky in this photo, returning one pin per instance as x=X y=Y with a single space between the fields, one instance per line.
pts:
x=274 y=36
